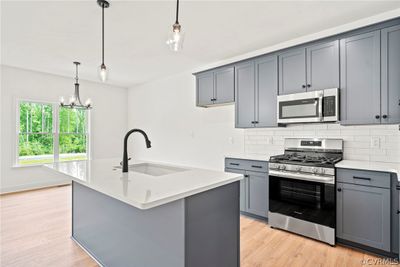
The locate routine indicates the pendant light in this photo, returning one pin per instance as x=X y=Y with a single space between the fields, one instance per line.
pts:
x=75 y=100
x=103 y=72
x=175 y=38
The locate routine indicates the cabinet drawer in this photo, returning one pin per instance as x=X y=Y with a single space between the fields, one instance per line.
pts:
x=371 y=178
x=249 y=165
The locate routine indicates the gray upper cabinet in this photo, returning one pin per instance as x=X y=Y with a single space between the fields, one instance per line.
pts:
x=215 y=87
x=311 y=68
x=390 y=75
x=363 y=215
x=205 y=88
x=245 y=95
x=257 y=199
x=224 y=85
x=360 y=79
x=323 y=66
x=266 y=86
x=256 y=84
x=292 y=71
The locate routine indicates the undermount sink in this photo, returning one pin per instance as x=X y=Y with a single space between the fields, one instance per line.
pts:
x=153 y=169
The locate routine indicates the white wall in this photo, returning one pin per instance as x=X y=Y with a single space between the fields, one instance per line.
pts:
x=180 y=132
x=166 y=110
x=108 y=121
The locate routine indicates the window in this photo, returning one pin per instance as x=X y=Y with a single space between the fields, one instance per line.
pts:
x=73 y=134
x=48 y=133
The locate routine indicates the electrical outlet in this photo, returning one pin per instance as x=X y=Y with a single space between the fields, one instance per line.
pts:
x=375 y=142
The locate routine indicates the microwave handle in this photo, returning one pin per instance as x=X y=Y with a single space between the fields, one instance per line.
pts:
x=320 y=111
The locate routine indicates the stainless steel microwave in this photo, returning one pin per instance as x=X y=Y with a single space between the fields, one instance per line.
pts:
x=315 y=106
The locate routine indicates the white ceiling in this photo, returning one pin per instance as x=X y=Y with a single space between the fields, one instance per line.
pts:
x=48 y=35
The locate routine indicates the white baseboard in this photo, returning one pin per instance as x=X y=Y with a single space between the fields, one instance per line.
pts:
x=26 y=187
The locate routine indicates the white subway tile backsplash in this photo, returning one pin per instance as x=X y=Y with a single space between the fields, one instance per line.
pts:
x=381 y=132
x=357 y=140
x=356 y=144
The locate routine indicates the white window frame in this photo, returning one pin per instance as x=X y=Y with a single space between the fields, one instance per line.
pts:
x=55 y=130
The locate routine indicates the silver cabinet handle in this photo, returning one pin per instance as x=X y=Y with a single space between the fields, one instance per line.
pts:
x=256 y=166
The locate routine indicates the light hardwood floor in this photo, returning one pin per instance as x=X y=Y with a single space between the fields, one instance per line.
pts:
x=36 y=228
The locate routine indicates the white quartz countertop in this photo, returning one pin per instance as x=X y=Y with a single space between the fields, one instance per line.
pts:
x=371 y=166
x=138 y=189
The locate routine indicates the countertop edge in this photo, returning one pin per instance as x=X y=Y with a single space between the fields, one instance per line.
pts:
x=158 y=202
x=247 y=157
x=370 y=166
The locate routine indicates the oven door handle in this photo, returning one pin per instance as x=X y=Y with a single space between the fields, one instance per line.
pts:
x=304 y=177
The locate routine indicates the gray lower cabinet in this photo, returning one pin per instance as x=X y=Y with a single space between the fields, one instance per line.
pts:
x=254 y=186
x=363 y=215
x=257 y=200
x=360 y=79
x=243 y=187
x=292 y=71
x=390 y=61
x=215 y=87
x=256 y=85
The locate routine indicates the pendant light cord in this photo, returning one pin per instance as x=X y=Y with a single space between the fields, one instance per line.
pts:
x=102 y=34
x=177 y=11
x=76 y=73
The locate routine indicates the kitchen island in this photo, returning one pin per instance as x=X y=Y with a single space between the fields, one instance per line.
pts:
x=155 y=214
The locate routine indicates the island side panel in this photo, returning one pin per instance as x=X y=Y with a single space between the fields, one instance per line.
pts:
x=117 y=234
x=212 y=228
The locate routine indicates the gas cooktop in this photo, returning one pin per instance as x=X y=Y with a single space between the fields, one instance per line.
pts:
x=309 y=159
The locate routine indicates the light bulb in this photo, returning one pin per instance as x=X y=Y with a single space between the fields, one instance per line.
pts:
x=175 y=38
x=62 y=101
x=103 y=73
x=72 y=100
x=88 y=102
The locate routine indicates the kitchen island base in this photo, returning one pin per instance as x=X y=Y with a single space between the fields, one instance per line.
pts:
x=199 y=230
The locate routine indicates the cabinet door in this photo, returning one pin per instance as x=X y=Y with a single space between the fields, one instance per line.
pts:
x=363 y=215
x=266 y=91
x=245 y=95
x=292 y=71
x=243 y=188
x=323 y=66
x=205 y=88
x=360 y=79
x=257 y=193
x=391 y=75
x=224 y=83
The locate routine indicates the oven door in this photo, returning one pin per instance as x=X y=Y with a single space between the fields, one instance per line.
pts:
x=301 y=107
x=305 y=200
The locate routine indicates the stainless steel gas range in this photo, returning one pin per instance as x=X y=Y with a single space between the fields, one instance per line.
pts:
x=302 y=187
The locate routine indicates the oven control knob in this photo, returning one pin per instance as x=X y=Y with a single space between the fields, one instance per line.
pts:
x=283 y=167
x=298 y=169
x=314 y=170
x=322 y=171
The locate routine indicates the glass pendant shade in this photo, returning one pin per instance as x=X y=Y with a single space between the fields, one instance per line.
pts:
x=176 y=38
x=103 y=73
